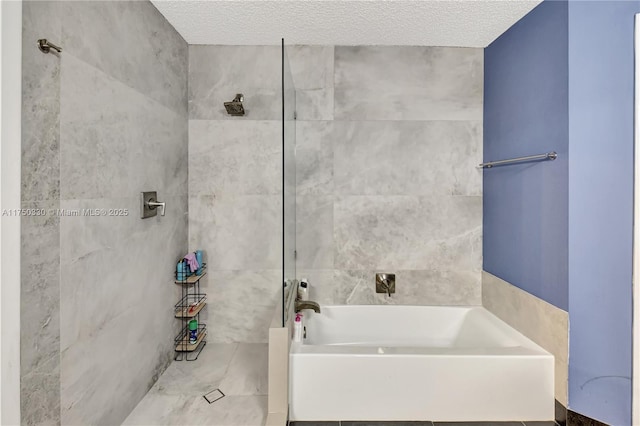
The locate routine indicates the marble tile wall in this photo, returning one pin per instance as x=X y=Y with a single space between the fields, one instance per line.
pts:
x=115 y=125
x=235 y=174
x=408 y=83
x=123 y=129
x=40 y=250
x=386 y=176
x=235 y=186
x=388 y=182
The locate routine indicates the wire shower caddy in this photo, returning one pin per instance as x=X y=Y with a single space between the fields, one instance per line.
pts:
x=189 y=307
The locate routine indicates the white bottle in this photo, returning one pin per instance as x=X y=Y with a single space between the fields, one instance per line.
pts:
x=297 y=329
x=303 y=289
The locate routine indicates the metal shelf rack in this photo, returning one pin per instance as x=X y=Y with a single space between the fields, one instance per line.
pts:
x=188 y=308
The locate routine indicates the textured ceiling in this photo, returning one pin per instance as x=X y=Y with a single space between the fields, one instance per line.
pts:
x=471 y=23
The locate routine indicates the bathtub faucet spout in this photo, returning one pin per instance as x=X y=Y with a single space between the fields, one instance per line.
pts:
x=306 y=304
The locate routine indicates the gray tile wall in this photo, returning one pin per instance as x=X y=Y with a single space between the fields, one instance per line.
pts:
x=235 y=186
x=100 y=125
x=40 y=249
x=387 y=182
x=388 y=139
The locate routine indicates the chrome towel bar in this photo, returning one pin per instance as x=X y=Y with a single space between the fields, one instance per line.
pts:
x=547 y=156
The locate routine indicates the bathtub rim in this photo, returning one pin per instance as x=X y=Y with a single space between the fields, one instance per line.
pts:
x=527 y=348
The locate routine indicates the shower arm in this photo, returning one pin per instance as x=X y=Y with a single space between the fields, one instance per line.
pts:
x=45 y=46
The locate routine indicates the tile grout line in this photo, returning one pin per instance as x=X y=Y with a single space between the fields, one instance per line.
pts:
x=226 y=369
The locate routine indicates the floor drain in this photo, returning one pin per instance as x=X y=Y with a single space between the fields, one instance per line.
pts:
x=213 y=396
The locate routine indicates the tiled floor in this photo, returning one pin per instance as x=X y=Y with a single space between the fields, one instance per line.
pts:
x=238 y=370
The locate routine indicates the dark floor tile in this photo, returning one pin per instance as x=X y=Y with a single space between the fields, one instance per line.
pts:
x=478 y=423
x=314 y=423
x=371 y=423
x=549 y=423
x=561 y=414
x=575 y=419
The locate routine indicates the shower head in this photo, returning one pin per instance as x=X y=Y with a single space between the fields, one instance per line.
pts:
x=235 y=106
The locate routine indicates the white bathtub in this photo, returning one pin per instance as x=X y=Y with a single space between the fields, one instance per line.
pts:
x=417 y=363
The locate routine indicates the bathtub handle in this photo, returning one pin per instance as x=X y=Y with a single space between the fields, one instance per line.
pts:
x=386 y=283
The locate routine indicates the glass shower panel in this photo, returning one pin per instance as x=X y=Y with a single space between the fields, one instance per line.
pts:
x=288 y=181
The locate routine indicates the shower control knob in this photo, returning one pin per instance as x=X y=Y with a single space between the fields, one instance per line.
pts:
x=153 y=204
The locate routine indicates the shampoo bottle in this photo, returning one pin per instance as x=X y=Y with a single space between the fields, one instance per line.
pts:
x=297 y=329
x=199 y=259
x=180 y=273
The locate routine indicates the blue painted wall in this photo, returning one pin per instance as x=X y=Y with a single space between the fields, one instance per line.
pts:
x=601 y=73
x=525 y=211
x=563 y=79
